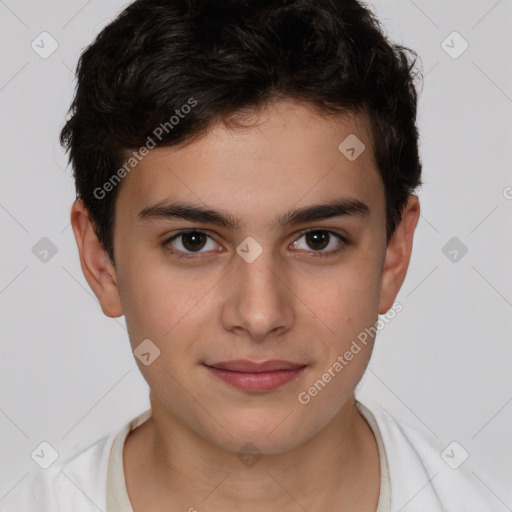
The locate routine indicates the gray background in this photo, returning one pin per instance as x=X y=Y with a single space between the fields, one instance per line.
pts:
x=67 y=375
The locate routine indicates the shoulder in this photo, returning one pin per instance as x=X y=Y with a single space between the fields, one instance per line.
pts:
x=428 y=474
x=78 y=483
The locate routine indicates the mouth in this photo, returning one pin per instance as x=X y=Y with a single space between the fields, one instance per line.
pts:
x=254 y=376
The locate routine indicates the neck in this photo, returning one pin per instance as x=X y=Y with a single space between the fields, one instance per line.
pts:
x=341 y=462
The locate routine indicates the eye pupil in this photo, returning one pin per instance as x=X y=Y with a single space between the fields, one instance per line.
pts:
x=317 y=237
x=194 y=240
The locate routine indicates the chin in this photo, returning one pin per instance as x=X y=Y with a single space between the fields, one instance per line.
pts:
x=259 y=443
x=260 y=433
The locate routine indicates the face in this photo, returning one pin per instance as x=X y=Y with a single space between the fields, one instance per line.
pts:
x=259 y=245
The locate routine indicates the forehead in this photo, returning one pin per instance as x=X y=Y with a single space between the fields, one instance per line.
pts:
x=287 y=155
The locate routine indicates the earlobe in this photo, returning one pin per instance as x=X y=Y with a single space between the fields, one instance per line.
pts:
x=96 y=265
x=398 y=255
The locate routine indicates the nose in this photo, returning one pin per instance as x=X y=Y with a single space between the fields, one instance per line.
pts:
x=258 y=301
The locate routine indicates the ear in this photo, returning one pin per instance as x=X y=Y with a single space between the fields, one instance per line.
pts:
x=398 y=254
x=96 y=265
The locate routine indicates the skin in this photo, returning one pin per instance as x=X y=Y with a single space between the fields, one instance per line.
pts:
x=288 y=304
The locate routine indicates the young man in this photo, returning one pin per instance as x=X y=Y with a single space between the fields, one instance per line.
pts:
x=245 y=175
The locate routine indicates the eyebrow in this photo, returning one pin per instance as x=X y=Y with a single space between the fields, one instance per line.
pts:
x=195 y=213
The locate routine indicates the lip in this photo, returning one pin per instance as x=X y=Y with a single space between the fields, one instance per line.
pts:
x=255 y=376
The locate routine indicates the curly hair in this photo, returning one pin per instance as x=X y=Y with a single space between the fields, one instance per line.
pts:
x=227 y=57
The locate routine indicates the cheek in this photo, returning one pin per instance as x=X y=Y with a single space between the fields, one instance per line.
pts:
x=346 y=299
x=348 y=306
x=156 y=297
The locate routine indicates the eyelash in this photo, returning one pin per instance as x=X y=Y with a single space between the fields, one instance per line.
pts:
x=316 y=254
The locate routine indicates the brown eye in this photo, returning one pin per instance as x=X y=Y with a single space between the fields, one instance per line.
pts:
x=321 y=241
x=186 y=243
x=317 y=240
x=194 y=240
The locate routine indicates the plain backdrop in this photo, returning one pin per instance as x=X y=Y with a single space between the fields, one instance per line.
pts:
x=67 y=374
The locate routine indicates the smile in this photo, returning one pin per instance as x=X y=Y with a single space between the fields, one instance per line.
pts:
x=256 y=377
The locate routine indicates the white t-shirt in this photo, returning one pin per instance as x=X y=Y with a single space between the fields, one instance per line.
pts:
x=414 y=476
